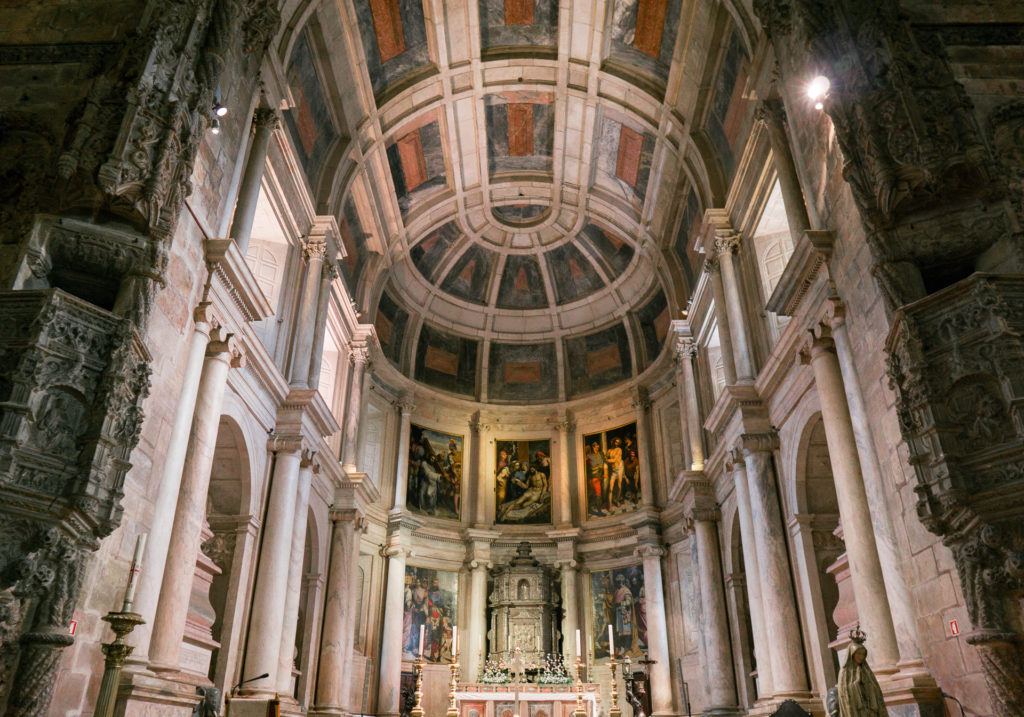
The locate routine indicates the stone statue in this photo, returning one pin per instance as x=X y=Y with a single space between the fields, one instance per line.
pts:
x=517 y=665
x=858 y=691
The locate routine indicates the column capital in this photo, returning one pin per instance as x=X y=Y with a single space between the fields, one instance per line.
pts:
x=314 y=248
x=265 y=118
x=685 y=348
x=734 y=459
x=727 y=241
x=204 y=313
x=308 y=460
x=479 y=564
x=359 y=354
x=225 y=345
x=817 y=341
x=763 y=442
x=284 y=442
x=350 y=515
x=641 y=400
x=565 y=424
x=330 y=272
x=771 y=111
x=394 y=551
x=406 y=404
x=649 y=550
x=566 y=563
x=711 y=265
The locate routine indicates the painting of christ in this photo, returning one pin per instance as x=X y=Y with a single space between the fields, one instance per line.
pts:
x=435 y=473
x=522 y=482
x=619 y=601
x=611 y=464
x=431 y=603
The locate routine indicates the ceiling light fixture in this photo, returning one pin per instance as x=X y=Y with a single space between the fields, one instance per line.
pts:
x=817 y=91
x=215 y=126
x=219 y=109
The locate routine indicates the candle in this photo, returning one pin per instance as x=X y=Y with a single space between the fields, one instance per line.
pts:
x=579 y=648
x=455 y=641
x=422 y=628
x=611 y=641
x=134 y=572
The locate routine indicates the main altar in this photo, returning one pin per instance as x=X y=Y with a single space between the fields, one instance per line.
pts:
x=525 y=700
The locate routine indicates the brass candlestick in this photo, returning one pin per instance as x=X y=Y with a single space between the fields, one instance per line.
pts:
x=115 y=653
x=453 y=710
x=580 y=709
x=417 y=711
x=614 y=710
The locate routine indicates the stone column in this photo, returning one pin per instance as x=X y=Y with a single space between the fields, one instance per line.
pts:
x=359 y=355
x=159 y=539
x=657 y=630
x=686 y=381
x=726 y=246
x=858 y=532
x=333 y=671
x=900 y=601
x=782 y=625
x=406 y=408
x=721 y=680
x=286 y=655
x=389 y=686
x=752 y=570
x=565 y=430
x=264 y=121
x=642 y=406
x=472 y=652
x=266 y=622
x=773 y=114
x=570 y=609
x=190 y=512
x=714 y=270
x=302 y=347
x=478 y=433
x=323 y=304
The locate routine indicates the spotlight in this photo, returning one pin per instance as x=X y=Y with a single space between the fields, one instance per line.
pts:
x=219 y=109
x=817 y=88
x=819 y=105
x=215 y=126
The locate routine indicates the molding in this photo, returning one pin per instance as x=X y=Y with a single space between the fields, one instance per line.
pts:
x=812 y=252
x=227 y=263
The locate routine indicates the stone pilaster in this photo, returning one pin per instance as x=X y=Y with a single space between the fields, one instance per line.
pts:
x=406 y=407
x=359 y=354
x=689 y=407
x=264 y=121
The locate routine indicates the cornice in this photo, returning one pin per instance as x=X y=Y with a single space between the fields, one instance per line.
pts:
x=228 y=265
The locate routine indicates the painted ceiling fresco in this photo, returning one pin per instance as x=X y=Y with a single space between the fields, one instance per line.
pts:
x=395 y=41
x=643 y=36
x=727 y=114
x=309 y=123
x=653 y=320
x=685 y=244
x=522 y=286
x=623 y=157
x=470 y=278
x=519 y=213
x=390 y=323
x=525 y=25
x=354 y=241
x=597 y=360
x=416 y=158
x=523 y=372
x=447 y=361
x=520 y=131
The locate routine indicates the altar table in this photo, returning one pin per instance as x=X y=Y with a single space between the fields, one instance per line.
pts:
x=524 y=700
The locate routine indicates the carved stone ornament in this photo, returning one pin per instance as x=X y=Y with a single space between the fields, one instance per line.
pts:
x=75 y=377
x=956 y=362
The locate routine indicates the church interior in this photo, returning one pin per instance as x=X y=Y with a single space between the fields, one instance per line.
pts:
x=511 y=358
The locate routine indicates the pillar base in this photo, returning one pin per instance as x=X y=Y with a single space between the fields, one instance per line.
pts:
x=722 y=712
x=912 y=693
x=143 y=694
x=321 y=711
x=768 y=706
x=243 y=706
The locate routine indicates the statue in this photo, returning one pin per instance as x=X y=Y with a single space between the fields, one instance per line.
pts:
x=209 y=705
x=858 y=691
x=517 y=665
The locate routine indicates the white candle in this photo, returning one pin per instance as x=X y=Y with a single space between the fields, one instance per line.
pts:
x=422 y=628
x=579 y=648
x=455 y=640
x=611 y=641
x=134 y=572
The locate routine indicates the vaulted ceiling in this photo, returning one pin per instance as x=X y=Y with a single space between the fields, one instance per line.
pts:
x=519 y=182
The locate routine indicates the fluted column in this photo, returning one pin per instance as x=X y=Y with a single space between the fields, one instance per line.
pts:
x=565 y=430
x=336 y=637
x=158 y=543
x=190 y=511
x=267 y=619
x=359 y=354
x=751 y=568
x=726 y=246
x=314 y=250
x=713 y=268
x=721 y=680
x=406 y=408
x=854 y=511
x=686 y=382
x=389 y=687
x=264 y=121
x=782 y=626
x=286 y=655
x=323 y=303
x=773 y=114
x=657 y=630
x=642 y=407
x=900 y=601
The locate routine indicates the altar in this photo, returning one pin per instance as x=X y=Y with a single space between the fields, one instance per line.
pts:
x=524 y=700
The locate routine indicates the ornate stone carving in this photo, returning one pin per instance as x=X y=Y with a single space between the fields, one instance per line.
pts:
x=261 y=26
x=957 y=367
x=266 y=118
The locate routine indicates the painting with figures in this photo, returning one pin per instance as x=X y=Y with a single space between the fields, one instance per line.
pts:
x=619 y=601
x=435 y=473
x=522 y=482
x=611 y=463
x=431 y=603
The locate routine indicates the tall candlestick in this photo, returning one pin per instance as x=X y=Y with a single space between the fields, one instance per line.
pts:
x=579 y=647
x=134 y=572
x=422 y=627
x=611 y=641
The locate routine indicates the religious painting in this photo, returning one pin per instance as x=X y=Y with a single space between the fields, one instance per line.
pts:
x=435 y=473
x=505 y=709
x=523 y=372
x=611 y=461
x=541 y=709
x=597 y=360
x=431 y=607
x=522 y=482
x=309 y=123
x=619 y=601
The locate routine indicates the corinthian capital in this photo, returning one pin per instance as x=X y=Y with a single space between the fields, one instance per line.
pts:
x=649 y=550
x=314 y=248
x=727 y=243
x=266 y=118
